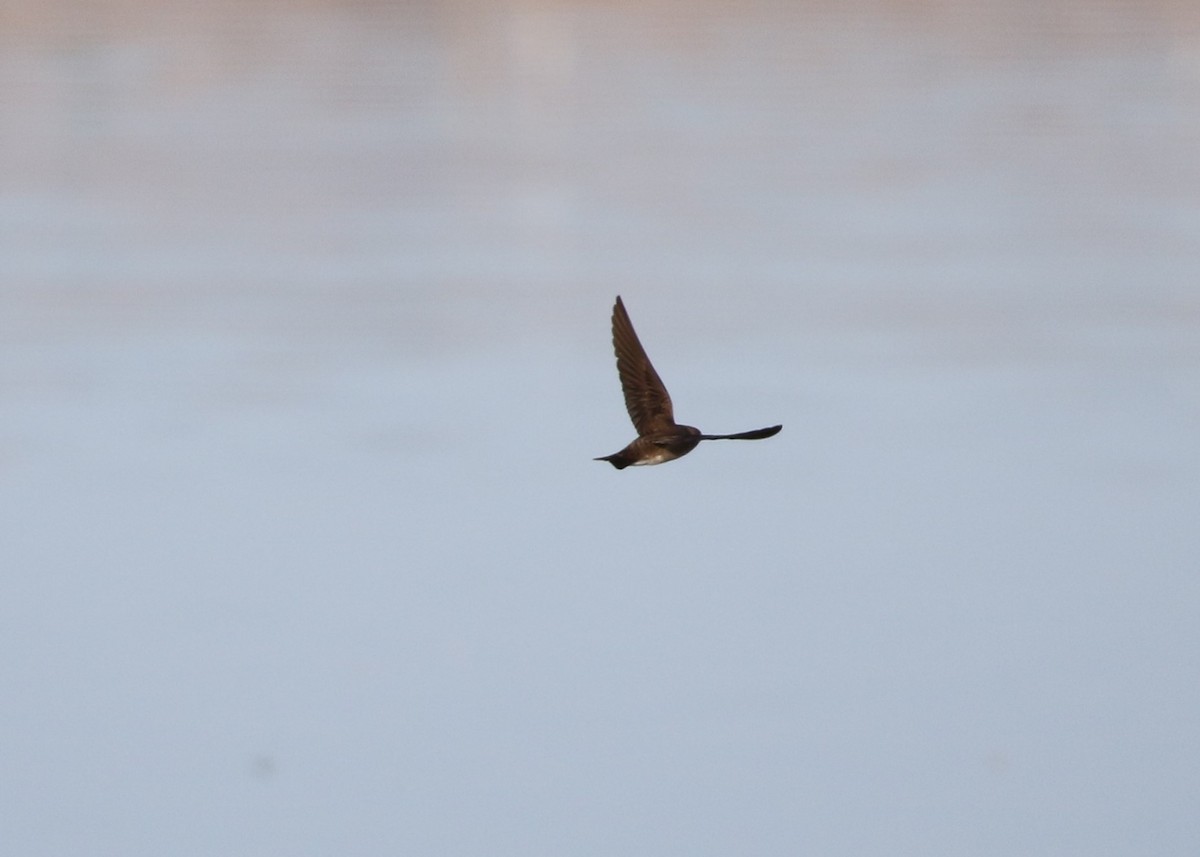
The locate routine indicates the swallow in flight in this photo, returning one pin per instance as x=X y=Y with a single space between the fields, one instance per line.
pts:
x=659 y=438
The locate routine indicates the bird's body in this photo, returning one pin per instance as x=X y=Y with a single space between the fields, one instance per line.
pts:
x=655 y=449
x=660 y=438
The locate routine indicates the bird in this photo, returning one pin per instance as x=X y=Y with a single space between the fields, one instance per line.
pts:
x=660 y=438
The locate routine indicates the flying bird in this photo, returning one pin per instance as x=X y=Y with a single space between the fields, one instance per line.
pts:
x=659 y=438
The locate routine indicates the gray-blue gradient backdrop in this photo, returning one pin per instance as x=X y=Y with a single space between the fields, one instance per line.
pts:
x=304 y=357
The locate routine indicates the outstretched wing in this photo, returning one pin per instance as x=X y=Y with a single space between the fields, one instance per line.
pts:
x=646 y=398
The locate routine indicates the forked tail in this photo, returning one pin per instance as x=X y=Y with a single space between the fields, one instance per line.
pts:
x=757 y=434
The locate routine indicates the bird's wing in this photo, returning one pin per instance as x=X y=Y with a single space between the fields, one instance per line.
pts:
x=646 y=398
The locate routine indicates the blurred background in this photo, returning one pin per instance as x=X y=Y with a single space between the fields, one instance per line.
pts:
x=305 y=354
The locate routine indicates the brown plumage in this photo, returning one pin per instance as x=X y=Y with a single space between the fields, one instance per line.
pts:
x=659 y=438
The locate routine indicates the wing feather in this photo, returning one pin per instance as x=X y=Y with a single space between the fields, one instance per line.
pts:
x=646 y=398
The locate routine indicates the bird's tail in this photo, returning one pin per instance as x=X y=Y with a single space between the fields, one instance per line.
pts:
x=757 y=434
